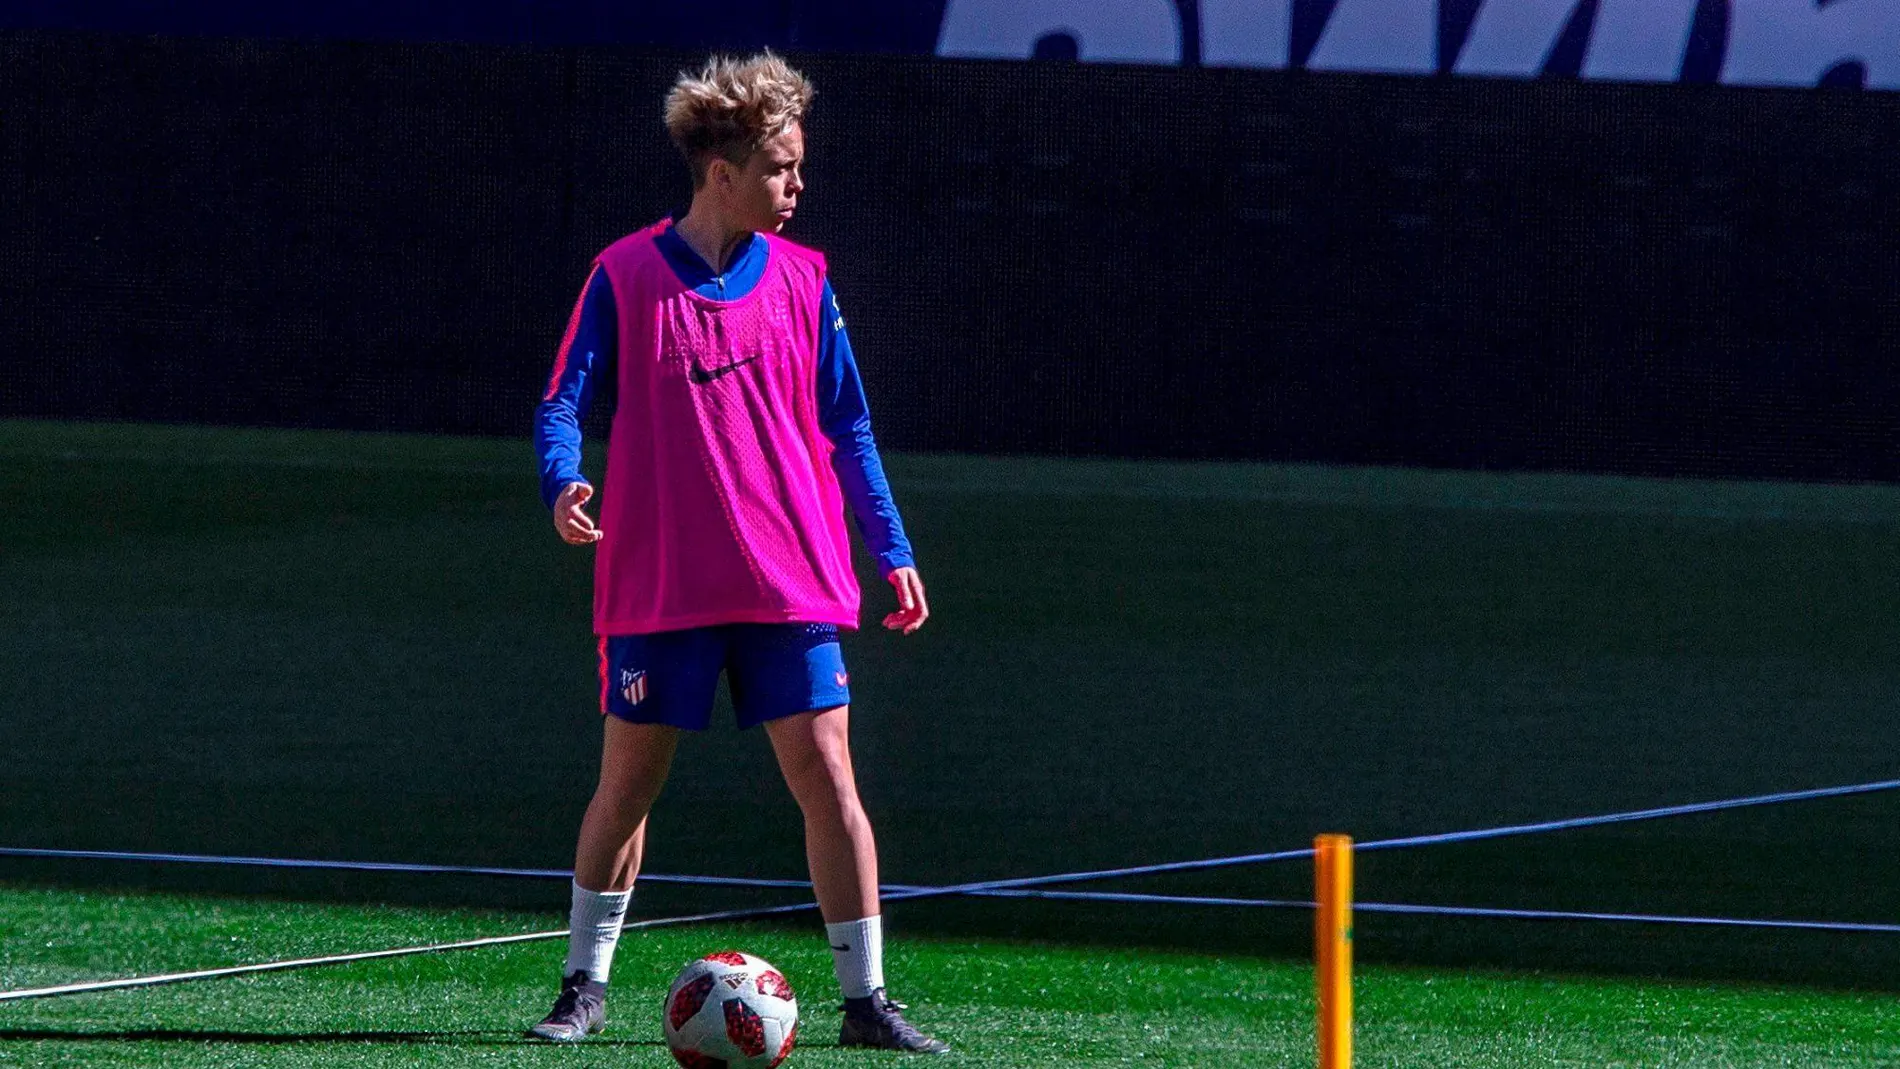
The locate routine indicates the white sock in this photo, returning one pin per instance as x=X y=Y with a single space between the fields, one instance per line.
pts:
x=593 y=928
x=857 y=952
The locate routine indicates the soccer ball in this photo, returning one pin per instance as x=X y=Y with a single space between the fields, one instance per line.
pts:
x=731 y=1011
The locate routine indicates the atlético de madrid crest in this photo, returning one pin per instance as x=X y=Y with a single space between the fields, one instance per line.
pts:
x=633 y=686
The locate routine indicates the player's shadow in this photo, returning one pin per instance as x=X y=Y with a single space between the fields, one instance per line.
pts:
x=192 y=1035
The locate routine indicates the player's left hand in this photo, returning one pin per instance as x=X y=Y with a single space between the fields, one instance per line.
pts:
x=912 y=609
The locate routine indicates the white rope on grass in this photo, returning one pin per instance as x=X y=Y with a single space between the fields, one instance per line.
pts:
x=892 y=894
x=1028 y=886
x=371 y=955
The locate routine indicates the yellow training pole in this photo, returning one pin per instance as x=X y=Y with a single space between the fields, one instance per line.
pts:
x=1332 y=933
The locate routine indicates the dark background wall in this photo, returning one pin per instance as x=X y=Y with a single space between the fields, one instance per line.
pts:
x=909 y=26
x=1032 y=257
x=1842 y=43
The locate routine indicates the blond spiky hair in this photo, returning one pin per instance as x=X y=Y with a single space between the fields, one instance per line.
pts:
x=732 y=106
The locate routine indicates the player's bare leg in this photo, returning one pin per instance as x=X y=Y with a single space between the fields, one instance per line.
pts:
x=814 y=754
x=634 y=761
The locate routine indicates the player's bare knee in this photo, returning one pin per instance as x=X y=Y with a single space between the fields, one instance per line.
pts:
x=820 y=778
x=625 y=802
x=832 y=806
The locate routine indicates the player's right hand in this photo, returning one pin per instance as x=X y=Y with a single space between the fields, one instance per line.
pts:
x=571 y=522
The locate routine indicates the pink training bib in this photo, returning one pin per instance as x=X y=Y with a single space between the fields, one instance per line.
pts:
x=719 y=505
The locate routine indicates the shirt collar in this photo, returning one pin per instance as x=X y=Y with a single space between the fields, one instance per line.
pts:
x=693 y=269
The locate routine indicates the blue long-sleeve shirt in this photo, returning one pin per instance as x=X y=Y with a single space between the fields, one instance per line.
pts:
x=843 y=414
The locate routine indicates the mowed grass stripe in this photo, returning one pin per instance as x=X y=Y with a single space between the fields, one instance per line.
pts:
x=1291 y=484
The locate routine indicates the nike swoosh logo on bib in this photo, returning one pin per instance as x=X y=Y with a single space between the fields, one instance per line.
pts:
x=702 y=375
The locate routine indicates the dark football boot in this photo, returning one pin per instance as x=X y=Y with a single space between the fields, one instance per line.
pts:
x=878 y=1022
x=579 y=1012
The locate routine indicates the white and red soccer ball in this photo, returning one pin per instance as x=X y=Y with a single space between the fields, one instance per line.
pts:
x=731 y=1011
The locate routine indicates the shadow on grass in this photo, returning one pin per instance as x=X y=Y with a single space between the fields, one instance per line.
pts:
x=192 y=1035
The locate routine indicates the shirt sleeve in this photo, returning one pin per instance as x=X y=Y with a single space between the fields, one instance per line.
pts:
x=845 y=419
x=586 y=352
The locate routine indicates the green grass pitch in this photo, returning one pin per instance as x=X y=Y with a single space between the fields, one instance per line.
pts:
x=373 y=647
x=1004 y=1003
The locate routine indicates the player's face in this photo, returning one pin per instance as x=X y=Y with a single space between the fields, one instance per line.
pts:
x=765 y=191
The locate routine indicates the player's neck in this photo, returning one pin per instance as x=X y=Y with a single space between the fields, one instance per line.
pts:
x=707 y=234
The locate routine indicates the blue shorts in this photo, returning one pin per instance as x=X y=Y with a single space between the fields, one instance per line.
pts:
x=774 y=670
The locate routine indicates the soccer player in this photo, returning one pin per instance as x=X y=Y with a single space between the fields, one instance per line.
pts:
x=740 y=434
